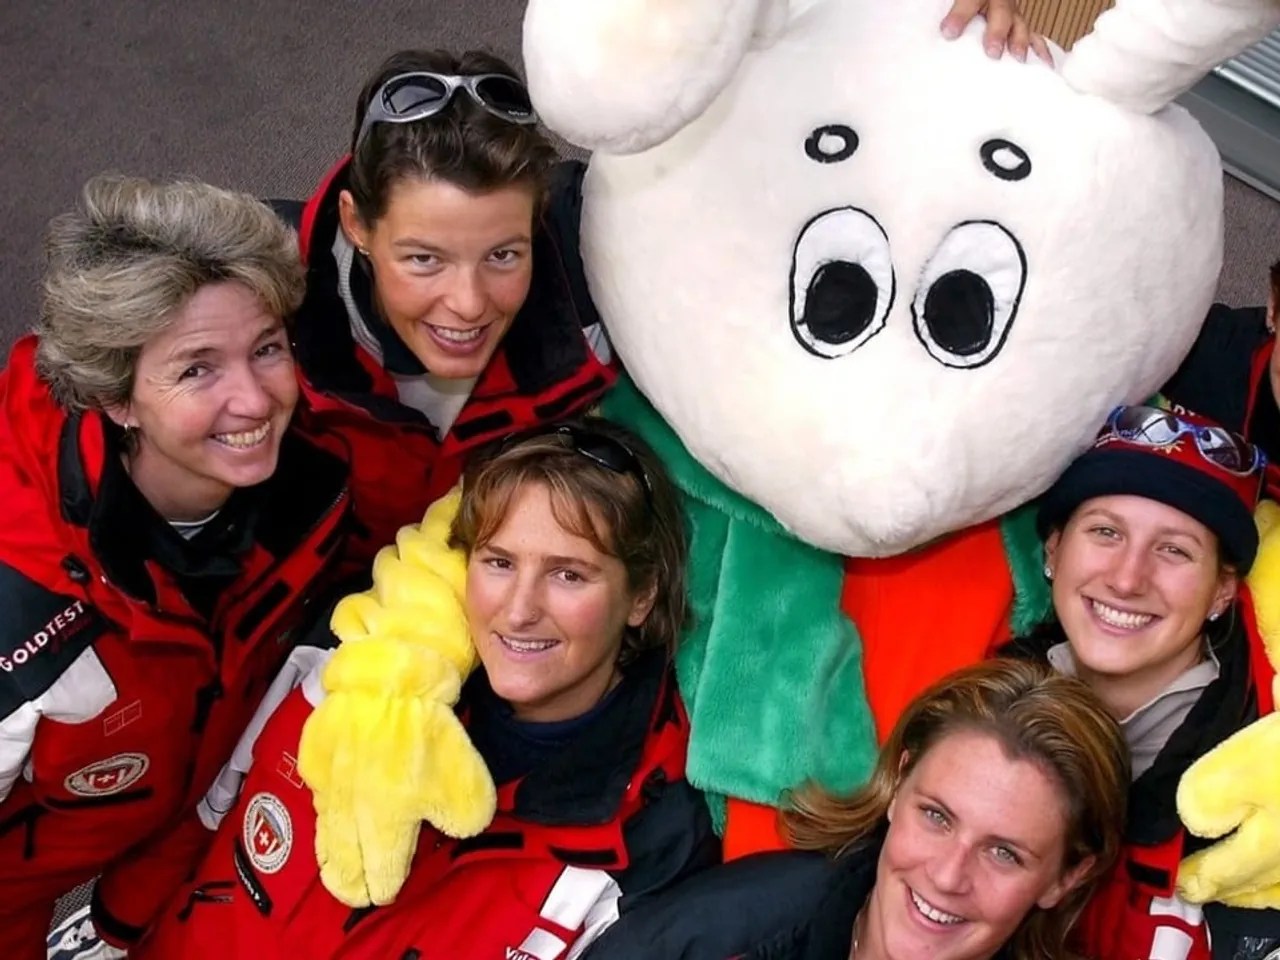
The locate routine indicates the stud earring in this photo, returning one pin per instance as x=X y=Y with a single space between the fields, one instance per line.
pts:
x=1048 y=572
x=362 y=251
x=1215 y=615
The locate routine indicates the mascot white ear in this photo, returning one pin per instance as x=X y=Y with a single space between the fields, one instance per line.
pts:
x=1144 y=53
x=623 y=75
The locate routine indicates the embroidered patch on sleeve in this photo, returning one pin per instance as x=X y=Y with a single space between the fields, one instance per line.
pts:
x=41 y=636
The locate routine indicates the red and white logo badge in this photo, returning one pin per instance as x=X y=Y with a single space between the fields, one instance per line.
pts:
x=105 y=777
x=268 y=833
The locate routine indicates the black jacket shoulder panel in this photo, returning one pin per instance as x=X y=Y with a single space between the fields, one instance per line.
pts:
x=722 y=912
x=42 y=634
x=671 y=838
x=1214 y=378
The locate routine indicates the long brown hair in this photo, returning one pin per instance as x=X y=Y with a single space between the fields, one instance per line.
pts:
x=634 y=517
x=1035 y=714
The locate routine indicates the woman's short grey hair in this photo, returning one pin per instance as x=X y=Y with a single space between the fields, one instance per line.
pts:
x=131 y=254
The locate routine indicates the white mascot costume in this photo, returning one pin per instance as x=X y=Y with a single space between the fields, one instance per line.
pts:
x=875 y=290
x=883 y=288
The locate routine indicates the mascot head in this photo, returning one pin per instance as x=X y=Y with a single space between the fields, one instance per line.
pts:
x=878 y=283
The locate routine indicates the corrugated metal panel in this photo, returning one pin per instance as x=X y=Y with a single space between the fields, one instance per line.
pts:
x=1257 y=70
x=1063 y=21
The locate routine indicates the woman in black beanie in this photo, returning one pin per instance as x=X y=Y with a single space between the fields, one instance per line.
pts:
x=1148 y=535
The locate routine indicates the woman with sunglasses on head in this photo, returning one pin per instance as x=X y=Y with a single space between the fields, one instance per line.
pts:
x=992 y=812
x=1149 y=534
x=445 y=303
x=574 y=555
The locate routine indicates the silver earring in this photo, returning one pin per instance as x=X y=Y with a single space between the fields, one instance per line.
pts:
x=362 y=251
x=1215 y=615
x=1048 y=572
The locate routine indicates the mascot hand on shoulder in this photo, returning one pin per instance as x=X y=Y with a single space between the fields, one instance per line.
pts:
x=874 y=291
x=384 y=751
x=1234 y=790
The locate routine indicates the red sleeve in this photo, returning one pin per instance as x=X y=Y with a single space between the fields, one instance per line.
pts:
x=260 y=871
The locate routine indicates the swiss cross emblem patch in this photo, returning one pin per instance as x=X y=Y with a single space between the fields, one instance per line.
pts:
x=268 y=833
x=105 y=777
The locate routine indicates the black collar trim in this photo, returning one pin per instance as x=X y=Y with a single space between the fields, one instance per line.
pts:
x=125 y=532
x=584 y=783
x=76 y=499
x=396 y=357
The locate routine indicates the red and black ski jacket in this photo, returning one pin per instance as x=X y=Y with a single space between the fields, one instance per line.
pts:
x=1136 y=912
x=593 y=828
x=553 y=362
x=130 y=659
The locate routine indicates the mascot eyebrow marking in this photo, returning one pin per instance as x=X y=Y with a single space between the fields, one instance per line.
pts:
x=1005 y=159
x=831 y=143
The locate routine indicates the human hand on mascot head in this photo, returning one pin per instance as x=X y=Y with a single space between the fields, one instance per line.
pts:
x=879 y=283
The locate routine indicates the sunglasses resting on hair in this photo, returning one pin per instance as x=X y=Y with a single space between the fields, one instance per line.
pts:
x=407 y=97
x=1154 y=427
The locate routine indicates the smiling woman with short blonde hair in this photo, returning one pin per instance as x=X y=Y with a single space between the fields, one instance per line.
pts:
x=161 y=527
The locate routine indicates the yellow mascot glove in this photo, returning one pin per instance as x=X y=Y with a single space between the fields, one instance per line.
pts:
x=1236 y=786
x=384 y=750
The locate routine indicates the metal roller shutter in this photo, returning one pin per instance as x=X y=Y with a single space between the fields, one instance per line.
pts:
x=1257 y=70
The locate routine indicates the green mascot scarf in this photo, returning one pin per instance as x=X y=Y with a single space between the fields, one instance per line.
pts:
x=770 y=668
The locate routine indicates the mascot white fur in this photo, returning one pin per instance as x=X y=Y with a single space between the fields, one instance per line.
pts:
x=883 y=287
x=879 y=290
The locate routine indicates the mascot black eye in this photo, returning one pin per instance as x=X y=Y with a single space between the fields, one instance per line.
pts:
x=831 y=143
x=842 y=282
x=1005 y=159
x=969 y=294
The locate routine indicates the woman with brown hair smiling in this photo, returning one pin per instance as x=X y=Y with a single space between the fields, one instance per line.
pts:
x=994 y=809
